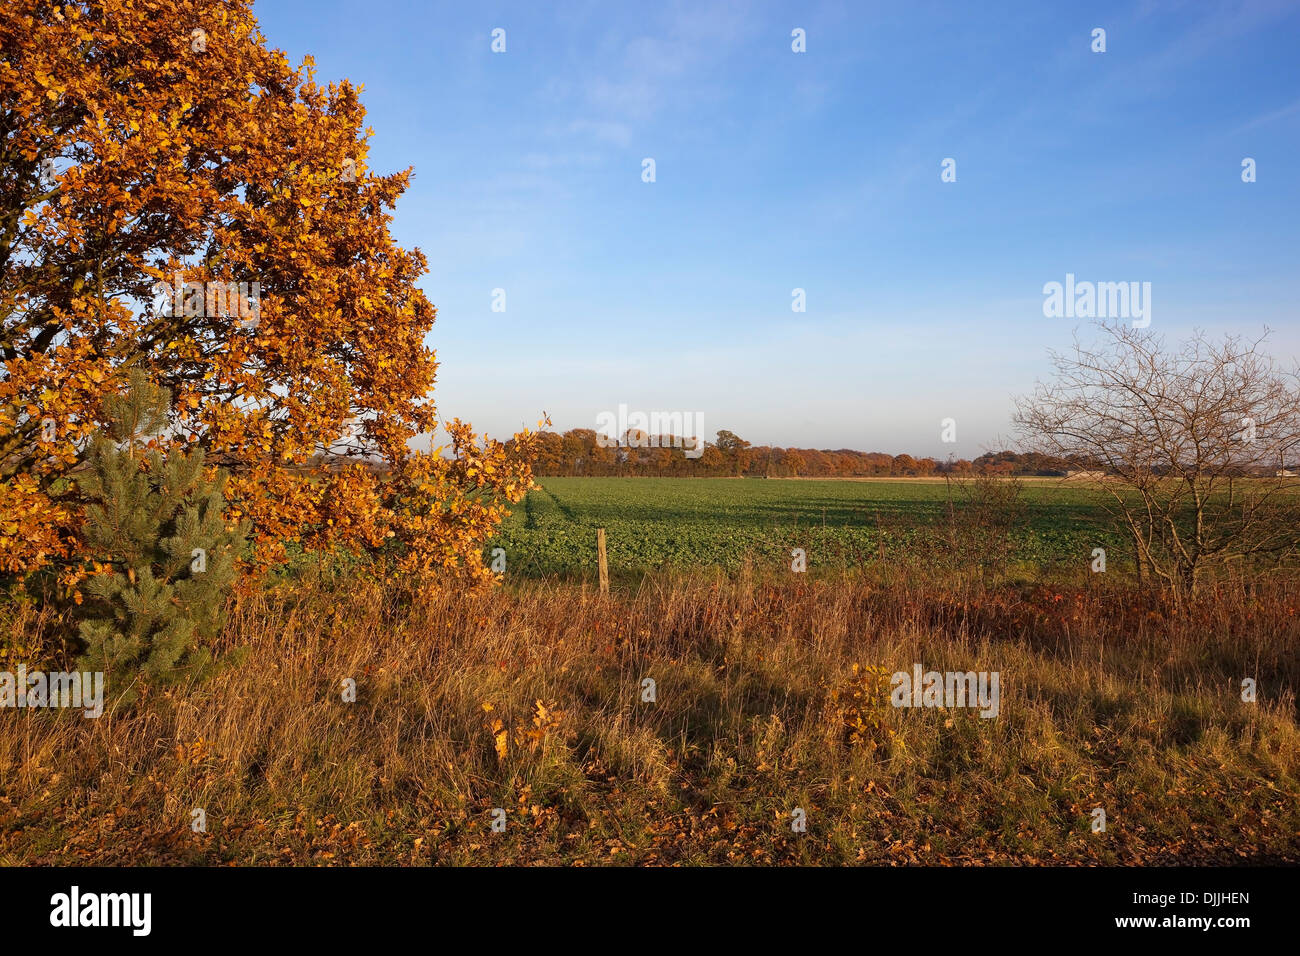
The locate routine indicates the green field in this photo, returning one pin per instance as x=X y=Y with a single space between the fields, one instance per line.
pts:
x=686 y=523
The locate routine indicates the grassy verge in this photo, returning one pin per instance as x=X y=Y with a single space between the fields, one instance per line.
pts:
x=530 y=700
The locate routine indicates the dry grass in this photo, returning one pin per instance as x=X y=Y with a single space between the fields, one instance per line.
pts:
x=1108 y=700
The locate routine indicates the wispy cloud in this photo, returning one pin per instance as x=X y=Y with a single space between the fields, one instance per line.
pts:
x=1266 y=118
x=608 y=132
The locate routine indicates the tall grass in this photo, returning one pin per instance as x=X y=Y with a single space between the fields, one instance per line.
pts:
x=1110 y=699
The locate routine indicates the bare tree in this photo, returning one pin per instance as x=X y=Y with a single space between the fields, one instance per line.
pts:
x=1194 y=443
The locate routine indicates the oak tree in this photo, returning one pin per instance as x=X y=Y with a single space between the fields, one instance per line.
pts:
x=176 y=197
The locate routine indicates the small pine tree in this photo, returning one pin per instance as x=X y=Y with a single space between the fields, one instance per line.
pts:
x=159 y=523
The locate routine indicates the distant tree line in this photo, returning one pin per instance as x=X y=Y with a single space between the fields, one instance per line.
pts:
x=582 y=451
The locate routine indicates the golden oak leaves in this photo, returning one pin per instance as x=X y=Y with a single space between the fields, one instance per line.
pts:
x=159 y=144
x=32 y=527
x=442 y=508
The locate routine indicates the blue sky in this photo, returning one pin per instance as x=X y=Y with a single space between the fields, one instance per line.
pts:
x=820 y=170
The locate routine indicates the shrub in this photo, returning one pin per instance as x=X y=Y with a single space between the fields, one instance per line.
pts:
x=155 y=525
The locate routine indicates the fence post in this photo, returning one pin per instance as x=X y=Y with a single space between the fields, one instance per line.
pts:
x=604 y=563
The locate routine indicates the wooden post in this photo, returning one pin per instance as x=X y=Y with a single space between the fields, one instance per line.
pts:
x=604 y=562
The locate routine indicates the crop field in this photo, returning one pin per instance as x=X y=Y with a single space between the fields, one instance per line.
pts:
x=655 y=524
